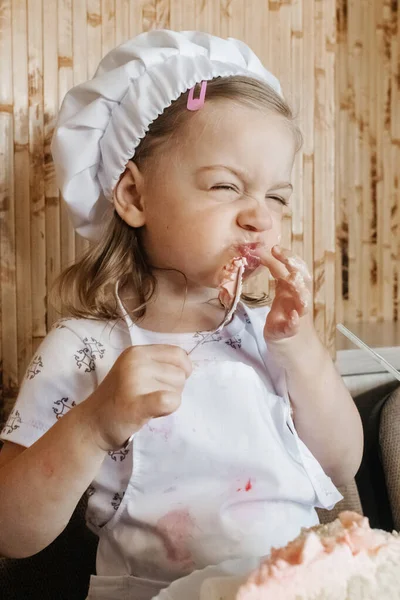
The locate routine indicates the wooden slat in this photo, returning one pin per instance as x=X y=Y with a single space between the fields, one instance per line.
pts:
x=107 y=26
x=377 y=178
x=232 y=18
x=395 y=69
x=65 y=82
x=52 y=198
x=279 y=34
x=395 y=158
x=264 y=20
x=93 y=22
x=307 y=127
x=366 y=93
x=342 y=171
x=274 y=35
x=283 y=69
x=121 y=21
x=8 y=320
x=253 y=28
x=148 y=15
x=207 y=16
x=175 y=15
x=329 y=17
x=80 y=71
x=296 y=101
x=163 y=10
x=320 y=186
x=21 y=183
x=186 y=12
x=357 y=178
x=384 y=244
x=36 y=154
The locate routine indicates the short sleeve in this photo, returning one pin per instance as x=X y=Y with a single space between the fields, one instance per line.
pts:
x=61 y=374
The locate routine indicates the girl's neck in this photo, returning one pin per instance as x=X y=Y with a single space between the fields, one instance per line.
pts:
x=176 y=307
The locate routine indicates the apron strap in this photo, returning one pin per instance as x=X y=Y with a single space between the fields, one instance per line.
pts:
x=257 y=318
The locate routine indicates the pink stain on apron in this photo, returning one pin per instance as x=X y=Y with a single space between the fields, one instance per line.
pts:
x=176 y=529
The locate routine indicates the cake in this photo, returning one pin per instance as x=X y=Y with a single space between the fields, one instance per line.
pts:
x=342 y=560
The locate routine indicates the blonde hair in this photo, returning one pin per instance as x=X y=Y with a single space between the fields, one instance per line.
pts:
x=87 y=288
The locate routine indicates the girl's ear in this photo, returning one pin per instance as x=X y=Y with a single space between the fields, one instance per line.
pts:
x=127 y=198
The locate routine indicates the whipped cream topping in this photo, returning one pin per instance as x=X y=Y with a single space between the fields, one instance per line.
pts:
x=323 y=557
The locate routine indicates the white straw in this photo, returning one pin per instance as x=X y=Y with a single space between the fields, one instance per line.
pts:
x=353 y=338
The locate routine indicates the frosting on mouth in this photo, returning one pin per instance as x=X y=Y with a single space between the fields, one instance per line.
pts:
x=253 y=261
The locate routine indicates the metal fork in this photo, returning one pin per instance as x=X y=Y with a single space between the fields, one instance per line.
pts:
x=230 y=311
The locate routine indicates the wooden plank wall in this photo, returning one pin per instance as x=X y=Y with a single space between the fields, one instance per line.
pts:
x=368 y=159
x=46 y=46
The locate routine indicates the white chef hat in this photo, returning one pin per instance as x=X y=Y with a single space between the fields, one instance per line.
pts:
x=102 y=121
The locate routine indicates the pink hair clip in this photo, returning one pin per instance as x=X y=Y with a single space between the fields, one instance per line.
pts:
x=197 y=103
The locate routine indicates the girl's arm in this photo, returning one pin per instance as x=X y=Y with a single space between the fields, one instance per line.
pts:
x=324 y=412
x=40 y=486
x=325 y=415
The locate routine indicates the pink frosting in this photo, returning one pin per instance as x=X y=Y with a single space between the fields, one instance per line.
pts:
x=229 y=283
x=319 y=558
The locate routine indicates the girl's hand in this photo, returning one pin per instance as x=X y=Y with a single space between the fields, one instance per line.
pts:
x=145 y=382
x=292 y=294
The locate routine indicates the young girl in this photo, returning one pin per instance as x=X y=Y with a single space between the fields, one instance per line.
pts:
x=237 y=434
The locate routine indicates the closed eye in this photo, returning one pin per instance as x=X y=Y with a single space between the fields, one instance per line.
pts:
x=279 y=199
x=224 y=186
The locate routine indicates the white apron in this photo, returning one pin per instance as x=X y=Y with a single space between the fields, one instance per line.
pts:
x=224 y=477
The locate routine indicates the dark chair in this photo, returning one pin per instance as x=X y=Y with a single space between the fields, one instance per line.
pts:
x=389 y=442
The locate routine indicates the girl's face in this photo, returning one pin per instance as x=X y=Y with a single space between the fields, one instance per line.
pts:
x=218 y=192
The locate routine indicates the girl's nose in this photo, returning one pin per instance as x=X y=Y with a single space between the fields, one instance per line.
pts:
x=256 y=218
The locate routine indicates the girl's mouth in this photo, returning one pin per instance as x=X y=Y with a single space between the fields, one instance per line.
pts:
x=245 y=256
x=248 y=251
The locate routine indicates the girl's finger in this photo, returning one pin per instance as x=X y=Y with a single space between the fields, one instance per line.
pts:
x=169 y=355
x=275 y=266
x=289 y=293
x=294 y=264
x=170 y=376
